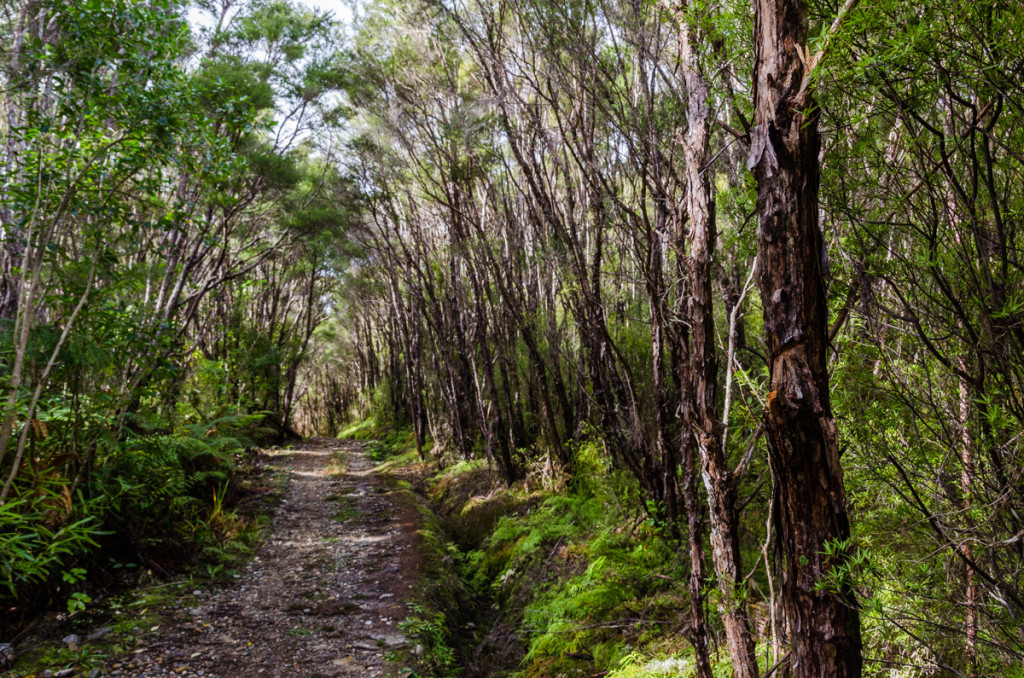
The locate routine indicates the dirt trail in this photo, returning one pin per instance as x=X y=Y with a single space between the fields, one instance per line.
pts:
x=323 y=596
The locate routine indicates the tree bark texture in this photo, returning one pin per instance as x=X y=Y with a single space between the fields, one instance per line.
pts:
x=700 y=415
x=822 y=619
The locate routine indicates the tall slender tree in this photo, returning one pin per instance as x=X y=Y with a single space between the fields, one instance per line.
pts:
x=810 y=499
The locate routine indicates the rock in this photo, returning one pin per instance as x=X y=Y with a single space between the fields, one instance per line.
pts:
x=6 y=656
x=391 y=641
x=100 y=633
x=72 y=641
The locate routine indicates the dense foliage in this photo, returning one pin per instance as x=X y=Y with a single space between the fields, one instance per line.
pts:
x=527 y=284
x=743 y=275
x=168 y=243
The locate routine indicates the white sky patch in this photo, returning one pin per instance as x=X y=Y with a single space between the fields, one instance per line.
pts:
x=341 y=9
x=288 y=132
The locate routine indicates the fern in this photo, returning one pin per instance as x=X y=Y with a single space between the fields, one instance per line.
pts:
x=31 y=552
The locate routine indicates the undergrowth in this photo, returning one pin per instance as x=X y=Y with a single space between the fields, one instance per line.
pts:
x=586 y=584
x=217 y=528
x=394 y=443
x=443 y=604
x=385 y=443
x=553 y=576
x=155 y=501
x=556 y=576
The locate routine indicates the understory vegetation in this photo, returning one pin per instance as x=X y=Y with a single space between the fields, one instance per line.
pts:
x=548 y=577
x=556 y=576
x=161 y=502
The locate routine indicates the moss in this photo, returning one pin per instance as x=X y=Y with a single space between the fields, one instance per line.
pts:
x=403 y=460
x=559 y=578
x=41 y=658
x=361 y=430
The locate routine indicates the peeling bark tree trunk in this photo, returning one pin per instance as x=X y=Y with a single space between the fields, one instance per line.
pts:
x=824 y=624
x=700 y=416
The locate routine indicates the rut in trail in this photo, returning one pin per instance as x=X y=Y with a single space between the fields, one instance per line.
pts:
x=323 y=596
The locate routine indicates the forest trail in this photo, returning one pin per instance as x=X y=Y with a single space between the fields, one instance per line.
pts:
x=322 y=597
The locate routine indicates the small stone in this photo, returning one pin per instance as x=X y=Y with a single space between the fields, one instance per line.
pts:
x=100 y=633
x=197 y=592
x=71 y=641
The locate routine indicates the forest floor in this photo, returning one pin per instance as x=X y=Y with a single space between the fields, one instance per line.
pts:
x=323 y=596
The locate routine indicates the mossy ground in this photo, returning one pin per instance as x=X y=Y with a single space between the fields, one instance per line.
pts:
x=554 y=577
x=133 y=617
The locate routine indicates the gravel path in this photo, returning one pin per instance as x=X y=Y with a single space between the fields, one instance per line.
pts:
x=323 y=596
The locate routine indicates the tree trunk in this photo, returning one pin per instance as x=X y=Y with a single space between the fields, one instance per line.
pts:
x=698 y=571
x=699 y=378
x=967 y=488
x=810 y=512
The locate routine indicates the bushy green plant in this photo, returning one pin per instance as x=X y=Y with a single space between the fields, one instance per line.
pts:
x=395 y=442
x=365 y=429
x=38 y=541
x=172 y=487
x=636 y=665
x=430 y=630
x=164 y=490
